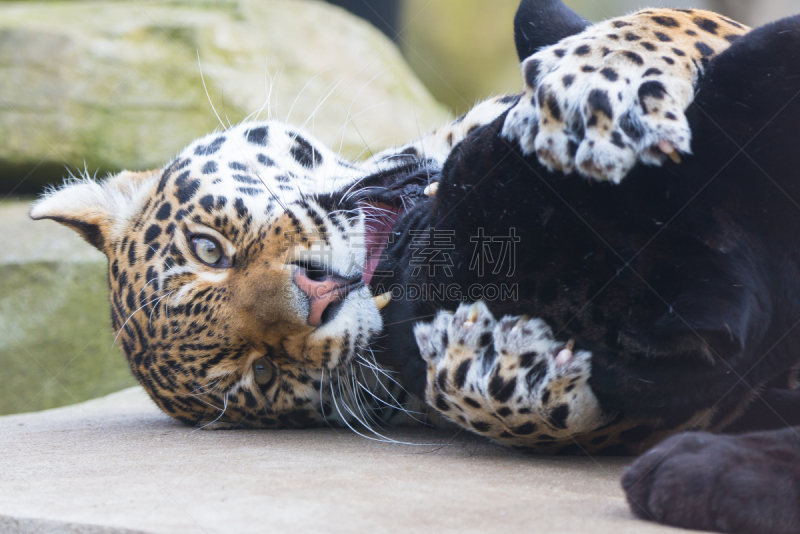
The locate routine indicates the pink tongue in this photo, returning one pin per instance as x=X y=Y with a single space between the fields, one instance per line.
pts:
x=381 y=219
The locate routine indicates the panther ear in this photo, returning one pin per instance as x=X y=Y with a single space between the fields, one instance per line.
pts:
x=540 y=23
x=96 y=210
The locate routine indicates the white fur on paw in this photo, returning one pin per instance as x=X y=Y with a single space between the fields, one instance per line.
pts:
x=432 y=337
x=532 y=342
x=508 y=377
x=522 y=124
x=515 y=335
x=603 y=160
x=555 y=376
x=471 y=327
x=465 y=333
x=601 y=106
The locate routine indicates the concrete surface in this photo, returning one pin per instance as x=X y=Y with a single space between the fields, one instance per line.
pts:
x=118 y=462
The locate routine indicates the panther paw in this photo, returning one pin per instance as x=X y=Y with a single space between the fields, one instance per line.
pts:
x=733 y=483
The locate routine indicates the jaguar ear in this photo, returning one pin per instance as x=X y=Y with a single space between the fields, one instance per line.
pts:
x=98 y=211
x=540 y=23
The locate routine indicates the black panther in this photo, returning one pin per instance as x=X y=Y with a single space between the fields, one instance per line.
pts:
x=594 y=265
x=678 y=287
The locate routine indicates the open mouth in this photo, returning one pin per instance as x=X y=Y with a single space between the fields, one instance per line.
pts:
x=385 y=198
x=380 y=221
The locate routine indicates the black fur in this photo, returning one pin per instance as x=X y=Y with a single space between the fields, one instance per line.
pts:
x=743 y=484
x=683 y=281
x=541 y=23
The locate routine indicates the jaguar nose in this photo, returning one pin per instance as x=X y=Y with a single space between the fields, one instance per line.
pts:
x=324 y=292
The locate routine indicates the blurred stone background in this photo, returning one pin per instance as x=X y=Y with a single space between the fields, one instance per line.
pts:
x=103 y=85
x=462 y=50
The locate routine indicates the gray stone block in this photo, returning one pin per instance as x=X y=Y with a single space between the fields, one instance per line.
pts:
x=56 y=344
x=116 y=85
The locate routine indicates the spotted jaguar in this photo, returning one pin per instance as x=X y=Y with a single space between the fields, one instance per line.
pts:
x=645 y=184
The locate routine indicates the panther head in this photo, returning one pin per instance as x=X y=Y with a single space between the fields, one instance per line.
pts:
x=239 y=272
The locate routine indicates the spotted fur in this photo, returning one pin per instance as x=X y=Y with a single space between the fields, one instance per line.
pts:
x=275 y=200
x=672 y=296
x=600 y=101
x=510 y=379
x=513 y=381
x=693 y=331
x=547 y=403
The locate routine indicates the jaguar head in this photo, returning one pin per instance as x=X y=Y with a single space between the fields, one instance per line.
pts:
x=239 y=273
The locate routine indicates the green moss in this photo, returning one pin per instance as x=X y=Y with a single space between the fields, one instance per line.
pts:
x=56 y=344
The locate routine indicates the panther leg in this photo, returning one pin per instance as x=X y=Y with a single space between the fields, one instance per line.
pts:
x=509 y=380
x=615 y=94
x=747 y=482
x=744 y=483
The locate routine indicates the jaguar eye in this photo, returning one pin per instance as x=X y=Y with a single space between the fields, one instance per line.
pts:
x=263 y=371
x=313 y=271
x=207 y=250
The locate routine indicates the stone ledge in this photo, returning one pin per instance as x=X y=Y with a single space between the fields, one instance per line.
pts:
x=119 y=462
x=15 y=525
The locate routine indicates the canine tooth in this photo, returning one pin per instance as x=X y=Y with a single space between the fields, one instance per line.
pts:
x=431 y=190
x=668 y=149
x=382 y=300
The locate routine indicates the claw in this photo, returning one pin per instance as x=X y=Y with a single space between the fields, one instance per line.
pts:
x=563 y=357
x=382 y=300
x=431 y=190
x=669 y=149
x=472 y=317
